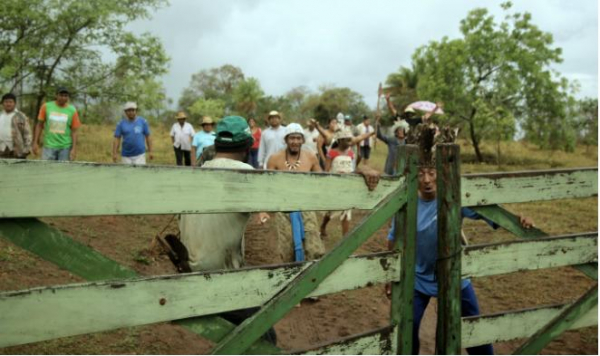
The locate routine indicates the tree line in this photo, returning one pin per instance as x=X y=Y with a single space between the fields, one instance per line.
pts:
x=496 y=80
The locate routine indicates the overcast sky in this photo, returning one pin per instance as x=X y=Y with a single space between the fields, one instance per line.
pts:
x=351 y=43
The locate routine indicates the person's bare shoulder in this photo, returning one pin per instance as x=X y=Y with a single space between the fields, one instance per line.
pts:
x=277 y=160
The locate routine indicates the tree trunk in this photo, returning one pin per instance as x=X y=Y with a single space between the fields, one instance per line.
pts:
x=474 y=139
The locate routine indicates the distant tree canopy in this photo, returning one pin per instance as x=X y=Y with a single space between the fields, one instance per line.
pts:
x=493 y=77
x=226 y=91
x=45 y=44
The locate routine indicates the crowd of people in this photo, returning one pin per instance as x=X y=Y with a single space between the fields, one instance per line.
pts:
x=215 y=241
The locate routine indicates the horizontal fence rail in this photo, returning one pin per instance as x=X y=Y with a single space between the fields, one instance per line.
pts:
x=377 y=342
x=92 y=307
x=43 y=188
x=522 y=187
x=481 y=330
x=523 y=255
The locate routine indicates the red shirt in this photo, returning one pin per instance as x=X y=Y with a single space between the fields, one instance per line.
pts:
x=256 y=137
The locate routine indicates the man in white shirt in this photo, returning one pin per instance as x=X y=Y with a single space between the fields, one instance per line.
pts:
x=272 y=139
x=182 y=134
x=15 y=132
x=311 y=134
x=366 y=144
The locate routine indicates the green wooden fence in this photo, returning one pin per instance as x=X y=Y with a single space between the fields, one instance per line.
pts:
x=123 y=299
x=483 y=193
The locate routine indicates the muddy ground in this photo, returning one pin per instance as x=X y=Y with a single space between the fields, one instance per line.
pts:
x=126 y=239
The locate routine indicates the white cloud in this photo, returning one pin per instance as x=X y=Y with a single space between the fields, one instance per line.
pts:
x=290 y=43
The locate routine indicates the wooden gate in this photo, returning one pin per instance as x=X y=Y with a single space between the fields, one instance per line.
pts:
x=117 y=298
x=32 y=189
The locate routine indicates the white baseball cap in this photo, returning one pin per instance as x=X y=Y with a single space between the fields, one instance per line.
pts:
x=294 y=128
x=129 y=105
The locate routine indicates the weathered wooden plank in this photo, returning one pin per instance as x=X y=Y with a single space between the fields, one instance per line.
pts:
x=486 y=329
x=54 y=246
x=124 y=303
x=507 y=257
x=560 y=323
x=376 y=342
x=251 y=329
x=510 y=222
x=401 y=310
x=449 y=249
x=521 y=187
x=85 y=189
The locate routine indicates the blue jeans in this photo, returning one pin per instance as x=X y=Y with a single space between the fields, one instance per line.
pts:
x=469 y=307
x=253 y=158
x=56 y=154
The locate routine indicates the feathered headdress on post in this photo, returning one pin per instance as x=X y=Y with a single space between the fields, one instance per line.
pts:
x=427 y=136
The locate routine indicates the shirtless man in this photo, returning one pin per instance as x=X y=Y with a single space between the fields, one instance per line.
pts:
x=293 y=158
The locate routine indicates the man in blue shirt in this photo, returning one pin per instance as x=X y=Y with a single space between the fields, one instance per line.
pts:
x=135 y=133
x=426 y=284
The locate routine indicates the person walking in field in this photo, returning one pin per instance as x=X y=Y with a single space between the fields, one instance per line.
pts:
x=203 y=138
x=271 y=140
x=59 y=121
x=398 y=138
x=366 y=144
x=134 y=132
x=182 y=134
x=15 y=132
x=312 y=136
x=426 y=284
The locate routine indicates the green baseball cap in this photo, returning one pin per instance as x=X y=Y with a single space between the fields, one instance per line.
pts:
x=233 y=131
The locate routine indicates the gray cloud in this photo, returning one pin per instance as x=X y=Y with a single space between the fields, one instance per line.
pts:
x=286 y=44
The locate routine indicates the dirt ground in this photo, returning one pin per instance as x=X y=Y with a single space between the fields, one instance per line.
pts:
x=126 y=239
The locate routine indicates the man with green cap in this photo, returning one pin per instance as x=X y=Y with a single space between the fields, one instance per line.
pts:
x=216 y=241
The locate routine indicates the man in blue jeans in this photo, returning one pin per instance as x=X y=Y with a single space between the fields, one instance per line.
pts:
x=426 y=284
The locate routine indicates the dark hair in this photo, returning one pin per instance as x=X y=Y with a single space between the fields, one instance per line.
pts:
x=8 y=96
x=233 y=147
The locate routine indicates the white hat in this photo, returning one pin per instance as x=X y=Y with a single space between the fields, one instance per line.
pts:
x=343 y=133
x=340 y=117
x=294 y=128
x=401 y=124
x=274 y=113
x=129 y=105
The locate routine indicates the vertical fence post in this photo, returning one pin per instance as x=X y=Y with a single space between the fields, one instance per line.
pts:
x=449 y=249
x=404 y=242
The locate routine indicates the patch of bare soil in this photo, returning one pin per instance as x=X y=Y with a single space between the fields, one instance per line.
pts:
x=126 y=239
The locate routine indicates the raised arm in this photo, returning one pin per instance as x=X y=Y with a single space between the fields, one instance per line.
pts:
x=390 y=105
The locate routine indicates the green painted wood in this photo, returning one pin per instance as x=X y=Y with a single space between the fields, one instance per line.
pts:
x=127 y=303
x=376 y=342
x=245 y=334
x=449 y=249
x=522 y=187
x=524 y=255
x=114 y=189
x=488 y=329
x=510 y=222
x=560 y=323
x=58 y=248
x=405 y=241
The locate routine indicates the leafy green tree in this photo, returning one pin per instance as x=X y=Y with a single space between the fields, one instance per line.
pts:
x=332 y=100
x=402 y=86
x=246 y=96
x=49 y=43
x=214 y=108
x=586 y=118
x=215 y=83
x=496 y=68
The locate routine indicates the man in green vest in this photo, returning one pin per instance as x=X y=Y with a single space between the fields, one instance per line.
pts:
x=59 y=121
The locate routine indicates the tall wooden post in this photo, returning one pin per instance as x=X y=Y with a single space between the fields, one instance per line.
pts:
x=449 y=249
x=405 y=242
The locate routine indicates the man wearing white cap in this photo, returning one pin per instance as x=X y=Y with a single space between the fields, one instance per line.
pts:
x=181 y=137
x=297 y=232
x=272 y=139
x=134 y=131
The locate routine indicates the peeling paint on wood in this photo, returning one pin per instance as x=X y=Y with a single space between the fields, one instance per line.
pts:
x=500 y=327
x=376 y=342
x=136 y=302
x=110 y=189
x=521 y=187
x=507 y=257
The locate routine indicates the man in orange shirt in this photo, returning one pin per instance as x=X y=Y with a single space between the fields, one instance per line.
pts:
x=59 y=120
